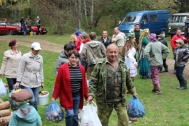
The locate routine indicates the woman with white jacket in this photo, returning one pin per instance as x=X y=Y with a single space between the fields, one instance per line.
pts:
x=10 y=63
x=30 y=72
x=129 y=52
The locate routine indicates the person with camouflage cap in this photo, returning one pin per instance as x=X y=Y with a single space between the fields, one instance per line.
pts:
x=181 y=55
x=129 y=52
x=108 y=84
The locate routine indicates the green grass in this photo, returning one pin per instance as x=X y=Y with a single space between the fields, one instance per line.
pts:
x=169 y=109
x=58 y=39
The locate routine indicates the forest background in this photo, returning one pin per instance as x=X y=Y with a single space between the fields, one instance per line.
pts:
x=65 y=16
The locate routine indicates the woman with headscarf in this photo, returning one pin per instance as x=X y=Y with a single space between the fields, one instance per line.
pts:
x=144 y=67
x=155 y=52
x=129 y=52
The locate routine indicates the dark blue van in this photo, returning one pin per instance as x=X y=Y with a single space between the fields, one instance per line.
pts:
x=155 y=20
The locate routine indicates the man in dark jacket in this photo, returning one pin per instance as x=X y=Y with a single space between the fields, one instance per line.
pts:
x=105 y=39
x=23 y=26
x=161 y=39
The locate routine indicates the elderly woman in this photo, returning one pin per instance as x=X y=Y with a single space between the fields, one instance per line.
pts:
x=155 y=52
x=71 y=88
x=10 y=63
x=30 y=72
x=144 y=67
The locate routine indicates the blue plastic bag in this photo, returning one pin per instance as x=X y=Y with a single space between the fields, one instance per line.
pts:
x=54 y=112
x=135 y=108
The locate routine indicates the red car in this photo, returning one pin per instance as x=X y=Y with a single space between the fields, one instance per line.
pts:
x=33 y=29
x=6 y=28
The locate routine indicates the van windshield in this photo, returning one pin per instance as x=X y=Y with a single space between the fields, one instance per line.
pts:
x=177 y=19
x=131 y=19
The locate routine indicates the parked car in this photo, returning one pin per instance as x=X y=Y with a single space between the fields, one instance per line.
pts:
x=155 y=20
x=6 y=28
x=33 y=29
x=176 y=21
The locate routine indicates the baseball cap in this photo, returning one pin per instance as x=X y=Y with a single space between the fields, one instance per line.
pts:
x=180 y=41
x=160 y=35
x=36 y=46
x=78 y=32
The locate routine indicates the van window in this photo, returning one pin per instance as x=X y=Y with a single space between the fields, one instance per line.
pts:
x=145 y=19
x=131 y=19
x=153 y=18
x=177 y=19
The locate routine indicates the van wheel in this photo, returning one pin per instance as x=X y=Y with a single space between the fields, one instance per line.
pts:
x=163 y=33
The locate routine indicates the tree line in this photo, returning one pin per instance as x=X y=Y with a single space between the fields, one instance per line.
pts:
x=65 y=16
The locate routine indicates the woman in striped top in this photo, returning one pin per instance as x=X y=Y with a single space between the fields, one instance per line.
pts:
x=71 y=88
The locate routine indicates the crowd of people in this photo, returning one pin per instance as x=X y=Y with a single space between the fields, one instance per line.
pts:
x=110 y=65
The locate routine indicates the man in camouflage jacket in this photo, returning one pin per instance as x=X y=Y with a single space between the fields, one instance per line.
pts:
x=108 y=84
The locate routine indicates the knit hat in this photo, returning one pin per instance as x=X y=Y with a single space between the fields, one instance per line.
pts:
x=152 y=37
x=180 y=41
x=130 y=35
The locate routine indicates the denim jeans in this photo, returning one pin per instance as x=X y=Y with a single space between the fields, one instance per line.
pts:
x=72 y=114
x=35 y=92
x=11 y=82
x=179 y=73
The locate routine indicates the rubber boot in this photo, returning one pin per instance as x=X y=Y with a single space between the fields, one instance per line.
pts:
x=155 y=88
x=160 y=70
x=181 y=85
x=158 y=90
x=166 y=69
x=184 y=85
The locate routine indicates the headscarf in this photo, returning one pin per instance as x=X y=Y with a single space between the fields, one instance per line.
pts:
x=130 y=35
x=152 y=37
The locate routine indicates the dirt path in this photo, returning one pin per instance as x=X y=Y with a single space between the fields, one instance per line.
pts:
x=46 y=45
x=170 y=63
x=49 y=46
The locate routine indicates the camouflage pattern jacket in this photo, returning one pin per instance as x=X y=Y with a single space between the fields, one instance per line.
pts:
x=98 y=83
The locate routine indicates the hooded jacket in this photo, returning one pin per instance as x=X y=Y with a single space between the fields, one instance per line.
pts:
x=92 y=52
x=62 y=59
x=26 y=115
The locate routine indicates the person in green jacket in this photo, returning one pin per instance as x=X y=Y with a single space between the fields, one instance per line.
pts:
x=108 y=83
x=144 y=66
x=155 y=52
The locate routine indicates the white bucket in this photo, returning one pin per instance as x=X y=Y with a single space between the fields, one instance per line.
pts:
x=43 y=99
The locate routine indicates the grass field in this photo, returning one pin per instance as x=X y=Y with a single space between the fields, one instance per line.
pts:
x=169 y=109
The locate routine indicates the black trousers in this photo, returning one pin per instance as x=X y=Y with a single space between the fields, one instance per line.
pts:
x=165 y=64
x=11 y=82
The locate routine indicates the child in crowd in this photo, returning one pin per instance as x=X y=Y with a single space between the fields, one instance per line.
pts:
x=26 y=115
x=181 y=55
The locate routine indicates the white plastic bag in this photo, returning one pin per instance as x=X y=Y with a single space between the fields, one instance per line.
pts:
x=81 y=47
x=3 y=90
x=90 y=117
